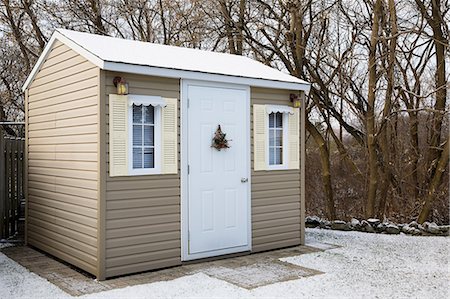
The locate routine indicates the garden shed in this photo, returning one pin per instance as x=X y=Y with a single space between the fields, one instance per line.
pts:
x=143 y=156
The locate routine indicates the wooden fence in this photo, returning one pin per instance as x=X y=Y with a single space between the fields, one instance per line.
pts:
x=11 y=185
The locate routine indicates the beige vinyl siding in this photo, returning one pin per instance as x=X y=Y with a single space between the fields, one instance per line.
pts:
x=275 y=193
x=62 y=158
x=142 y=212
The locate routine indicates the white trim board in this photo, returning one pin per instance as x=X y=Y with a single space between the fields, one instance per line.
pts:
x=185 y=256
x=68 y=42
x=200 y=76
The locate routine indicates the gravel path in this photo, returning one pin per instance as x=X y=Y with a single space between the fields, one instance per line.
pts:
x=366 y=265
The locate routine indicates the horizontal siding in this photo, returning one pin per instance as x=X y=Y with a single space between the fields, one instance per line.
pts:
x=276 y=193
x=62 y=158
x=142 y=212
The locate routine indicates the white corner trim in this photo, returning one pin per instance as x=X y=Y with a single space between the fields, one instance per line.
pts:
x=68 y=42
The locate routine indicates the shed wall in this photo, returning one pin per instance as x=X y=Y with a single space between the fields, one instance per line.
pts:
x=62 y=144
x=142 y=212
x=275 y=193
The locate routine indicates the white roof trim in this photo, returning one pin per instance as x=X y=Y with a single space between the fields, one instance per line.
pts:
x=138 y=100
x=279 y=108
x=68 y=42
x=194 y=75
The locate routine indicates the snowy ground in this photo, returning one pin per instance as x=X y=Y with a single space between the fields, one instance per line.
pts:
x=367 y=265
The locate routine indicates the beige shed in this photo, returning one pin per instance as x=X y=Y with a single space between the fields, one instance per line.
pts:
x=143 y=156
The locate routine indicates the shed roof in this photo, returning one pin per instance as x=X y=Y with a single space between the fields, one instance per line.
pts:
x=116 y=54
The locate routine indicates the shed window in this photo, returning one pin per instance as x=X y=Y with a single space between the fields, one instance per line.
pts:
x=276 y=138
x=144 y=138
x=142 y=135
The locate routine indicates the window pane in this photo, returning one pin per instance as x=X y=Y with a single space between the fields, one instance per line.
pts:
x=279 y=120
x=279 y=156
x=271 y=156
x=279 y=138
x=137 y=157
x=271 y=120
x=271 y=137
x=149 y=114
x=149 y=158
x=137 y=114
x=137 y=135
x=148 y=135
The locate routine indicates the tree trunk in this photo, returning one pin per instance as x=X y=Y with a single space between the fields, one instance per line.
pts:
x=384 y=139
x=326 y=169
x=440 y=42
x=240 y=29
x=370 y=116
x=228 y=22
x=434 y=184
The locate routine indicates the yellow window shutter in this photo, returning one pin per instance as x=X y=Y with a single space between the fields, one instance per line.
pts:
x=294 y=140
x=169 y=137
x=259 y=137
x=118 y=132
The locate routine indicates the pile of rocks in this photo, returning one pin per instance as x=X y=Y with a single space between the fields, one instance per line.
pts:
x=376 y=226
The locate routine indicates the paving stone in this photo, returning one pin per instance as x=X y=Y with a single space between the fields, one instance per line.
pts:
x=238 y=270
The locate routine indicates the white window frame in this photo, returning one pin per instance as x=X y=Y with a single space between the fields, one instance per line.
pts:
x=284 y=145
x=157 y=143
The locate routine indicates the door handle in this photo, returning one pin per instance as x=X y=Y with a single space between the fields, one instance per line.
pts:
x=244 y=180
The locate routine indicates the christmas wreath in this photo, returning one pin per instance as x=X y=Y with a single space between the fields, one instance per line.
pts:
x=219 y=140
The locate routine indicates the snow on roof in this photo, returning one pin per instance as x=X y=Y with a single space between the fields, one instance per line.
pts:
x=131 y=56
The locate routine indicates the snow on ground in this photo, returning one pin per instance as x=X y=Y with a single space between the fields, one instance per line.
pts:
x=366 y=265
x=17 y=282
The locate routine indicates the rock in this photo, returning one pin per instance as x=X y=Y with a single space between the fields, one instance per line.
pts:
x=366 y=227
x=411 y=230
x=421 y=228
x=325 y=224
x=432 y=228
x=369 y=229
x=312 y=221
x=380 y=228
x=416 y=231
x=413 y=224
x=373 y=221
x=355 y=224
x=392 y=229
x=445 y=229
x=408 y=229
x=340 y=225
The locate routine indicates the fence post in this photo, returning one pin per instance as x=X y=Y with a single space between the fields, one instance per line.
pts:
x=2 y=184
x=8 y=187
x=14 y=184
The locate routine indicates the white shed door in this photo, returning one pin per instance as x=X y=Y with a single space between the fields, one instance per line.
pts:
x=219 y=197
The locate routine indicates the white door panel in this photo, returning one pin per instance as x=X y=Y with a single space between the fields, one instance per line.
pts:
x=218 y=201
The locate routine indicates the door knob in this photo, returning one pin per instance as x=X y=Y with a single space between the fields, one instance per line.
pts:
x=244 y=180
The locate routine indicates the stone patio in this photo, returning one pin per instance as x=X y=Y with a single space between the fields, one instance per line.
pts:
x=249 y=271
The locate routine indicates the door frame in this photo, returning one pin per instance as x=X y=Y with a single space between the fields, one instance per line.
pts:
x=184 y=85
